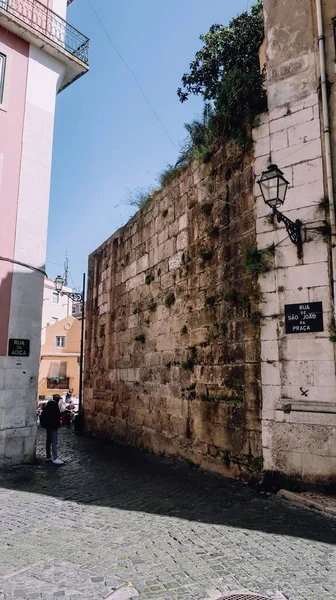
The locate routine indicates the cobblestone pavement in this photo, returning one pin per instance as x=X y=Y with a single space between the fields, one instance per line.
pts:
x=112 y=516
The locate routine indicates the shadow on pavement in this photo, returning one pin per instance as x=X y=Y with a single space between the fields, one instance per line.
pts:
x=122 y=478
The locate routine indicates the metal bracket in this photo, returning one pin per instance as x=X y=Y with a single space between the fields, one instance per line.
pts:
x=73 y=296
x=293 y=229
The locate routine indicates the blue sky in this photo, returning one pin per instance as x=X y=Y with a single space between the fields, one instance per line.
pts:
x=107 y=140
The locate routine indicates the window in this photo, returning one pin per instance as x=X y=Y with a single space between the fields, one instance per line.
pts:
x=2 y=76
x=55 y=298
x=60 y=341
x=54 y=320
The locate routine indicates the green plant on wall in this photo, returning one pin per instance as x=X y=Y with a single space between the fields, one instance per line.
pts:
x=169 y=174
x=257 y=294
x=255 y=318
x=213 y=332
x=230 y=400
x=214 y=231
x=141 y=338
x=141 y=197
x=188 y=364
x=205 y=254
x=206 y=208
x=231 y=295
x=170 y=300
x=191 y=360
x=256 y=261
x=210 y=301
x=226 y=458
x=152 y=306
x=149 y=278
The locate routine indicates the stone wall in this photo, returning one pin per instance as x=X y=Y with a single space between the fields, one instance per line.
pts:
x=298 y=370
x=172 y=341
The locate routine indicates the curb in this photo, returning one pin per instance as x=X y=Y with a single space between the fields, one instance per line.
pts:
x=307 y=502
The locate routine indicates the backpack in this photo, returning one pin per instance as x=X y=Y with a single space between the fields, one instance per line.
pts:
x=43 y=417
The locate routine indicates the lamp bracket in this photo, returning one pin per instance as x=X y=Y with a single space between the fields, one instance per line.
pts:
x=73 y=296
x=293 y=229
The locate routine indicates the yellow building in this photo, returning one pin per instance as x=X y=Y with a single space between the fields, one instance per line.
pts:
x=59 y=364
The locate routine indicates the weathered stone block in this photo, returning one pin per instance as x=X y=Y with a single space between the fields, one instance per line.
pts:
x=142 y=263
x=308 y=172
x=182 y=240
x=299 y=153
x=175 y=261
x=183 y=222
x=262 y=147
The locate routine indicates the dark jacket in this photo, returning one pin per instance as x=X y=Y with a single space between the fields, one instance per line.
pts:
x=51 y=415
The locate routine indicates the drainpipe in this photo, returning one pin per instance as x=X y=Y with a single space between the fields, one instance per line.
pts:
x=327 y=136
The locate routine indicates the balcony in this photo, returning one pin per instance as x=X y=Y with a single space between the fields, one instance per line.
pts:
x=58 y=383
x=42 y=27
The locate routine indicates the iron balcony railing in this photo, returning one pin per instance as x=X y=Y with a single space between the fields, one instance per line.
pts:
x=45 y=21
x=58 y=383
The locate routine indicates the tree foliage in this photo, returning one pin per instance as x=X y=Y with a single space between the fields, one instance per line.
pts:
x=240 y=98
x=225 y=48
x=201 y=135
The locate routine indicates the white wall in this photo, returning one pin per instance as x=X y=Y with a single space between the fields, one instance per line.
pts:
x=17 y=415
x=60 y=7
x=298 y=370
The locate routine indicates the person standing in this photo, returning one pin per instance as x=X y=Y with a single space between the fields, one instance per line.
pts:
x=50 y=420
x=68 y=397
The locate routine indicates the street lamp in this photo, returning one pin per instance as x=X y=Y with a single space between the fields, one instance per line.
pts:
x=59 y=283
x=80 y=298
x=273 y=187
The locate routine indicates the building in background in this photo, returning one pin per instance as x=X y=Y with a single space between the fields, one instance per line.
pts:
x=40 y=55
x=55 y=307
x=60 y=354
x=77 y=310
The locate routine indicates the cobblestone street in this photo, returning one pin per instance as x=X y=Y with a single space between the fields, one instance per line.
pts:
x=109 y=517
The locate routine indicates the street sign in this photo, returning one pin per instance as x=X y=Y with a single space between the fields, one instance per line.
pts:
x=18 y=347
x=306 y=317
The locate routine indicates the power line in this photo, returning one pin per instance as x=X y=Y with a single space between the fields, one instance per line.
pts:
x=132 y=73
x=49 y=262
x=73 y=283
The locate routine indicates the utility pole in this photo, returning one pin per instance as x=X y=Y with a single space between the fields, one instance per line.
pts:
x=66 y=269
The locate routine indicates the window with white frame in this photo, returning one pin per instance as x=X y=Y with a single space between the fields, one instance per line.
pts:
x=55 y=298
x=60 y=341
x=2 y=75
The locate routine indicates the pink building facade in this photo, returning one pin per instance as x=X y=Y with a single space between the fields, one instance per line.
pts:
x=40 y=55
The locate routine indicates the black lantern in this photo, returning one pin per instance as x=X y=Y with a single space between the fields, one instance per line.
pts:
x=273 y=186
x=59 y=283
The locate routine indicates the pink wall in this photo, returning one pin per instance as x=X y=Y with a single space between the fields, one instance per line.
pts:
x=11 y=134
